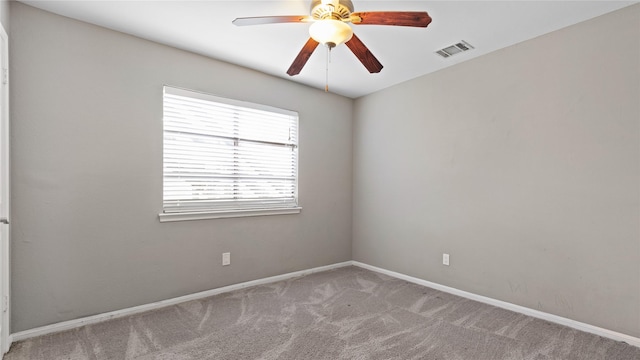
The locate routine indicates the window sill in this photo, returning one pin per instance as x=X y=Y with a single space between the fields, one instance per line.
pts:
x=204 y=215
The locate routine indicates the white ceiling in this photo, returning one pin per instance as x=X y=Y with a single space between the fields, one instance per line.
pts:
x=204 y=27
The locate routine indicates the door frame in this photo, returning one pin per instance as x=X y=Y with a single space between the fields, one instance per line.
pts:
x=5 y=268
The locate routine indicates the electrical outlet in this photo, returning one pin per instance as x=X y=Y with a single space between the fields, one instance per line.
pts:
x=226 y=259
x=445 y=259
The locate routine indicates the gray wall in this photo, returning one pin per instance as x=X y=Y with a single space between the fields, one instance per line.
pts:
x=523 y=165
x=86 y=115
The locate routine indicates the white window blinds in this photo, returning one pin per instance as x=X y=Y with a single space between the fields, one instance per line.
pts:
x=226 y=155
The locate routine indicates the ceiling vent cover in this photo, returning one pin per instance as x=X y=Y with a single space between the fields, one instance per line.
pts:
x=462 y=46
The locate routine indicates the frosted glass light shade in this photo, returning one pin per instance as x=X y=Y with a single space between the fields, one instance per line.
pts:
x=330 y=32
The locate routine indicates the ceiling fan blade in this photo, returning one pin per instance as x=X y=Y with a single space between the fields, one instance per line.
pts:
x=360 y=50
x=393 y=18
x=261 y=20
x=302 y=57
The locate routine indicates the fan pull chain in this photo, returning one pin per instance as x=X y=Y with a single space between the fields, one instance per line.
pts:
x=326 y=86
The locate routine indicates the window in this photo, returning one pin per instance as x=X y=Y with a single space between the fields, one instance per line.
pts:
x=225 y=158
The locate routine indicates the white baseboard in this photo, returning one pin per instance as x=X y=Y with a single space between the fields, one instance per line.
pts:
x=72 y=324
x=9 y=342
x=509 y=306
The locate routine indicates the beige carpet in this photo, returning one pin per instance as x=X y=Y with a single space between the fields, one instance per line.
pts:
x=348 y=313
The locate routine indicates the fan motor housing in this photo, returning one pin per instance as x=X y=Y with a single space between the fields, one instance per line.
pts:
x=341 y=11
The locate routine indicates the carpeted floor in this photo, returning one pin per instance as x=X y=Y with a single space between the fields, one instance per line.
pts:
x=348 y=313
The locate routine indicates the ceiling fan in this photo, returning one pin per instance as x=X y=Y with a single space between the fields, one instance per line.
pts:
x=330 y=27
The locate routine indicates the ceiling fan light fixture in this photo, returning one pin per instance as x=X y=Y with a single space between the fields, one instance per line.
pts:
x=330 y=32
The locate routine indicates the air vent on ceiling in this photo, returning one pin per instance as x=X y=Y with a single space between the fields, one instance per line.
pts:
x=462 y=46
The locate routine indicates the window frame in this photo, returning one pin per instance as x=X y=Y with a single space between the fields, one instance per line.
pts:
x=177 y=214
